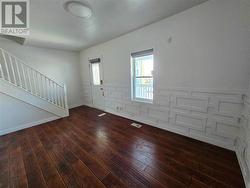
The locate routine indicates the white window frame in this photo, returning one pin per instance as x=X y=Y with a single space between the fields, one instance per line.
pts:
x=133 y=79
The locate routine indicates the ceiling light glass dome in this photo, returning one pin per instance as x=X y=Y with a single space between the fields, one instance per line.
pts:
x=78 y=9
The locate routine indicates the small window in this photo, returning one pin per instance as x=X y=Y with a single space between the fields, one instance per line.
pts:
x=142 y=75
x=96 y=73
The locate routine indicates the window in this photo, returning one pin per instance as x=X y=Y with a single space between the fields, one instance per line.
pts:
x=95 y=70
x=96 y=73
x=142 y=75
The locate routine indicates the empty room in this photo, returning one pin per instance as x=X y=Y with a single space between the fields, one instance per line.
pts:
x=125 y=93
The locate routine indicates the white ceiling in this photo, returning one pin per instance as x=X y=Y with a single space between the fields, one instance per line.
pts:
x=53 y=27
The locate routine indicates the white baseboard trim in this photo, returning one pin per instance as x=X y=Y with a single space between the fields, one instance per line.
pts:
x=206 y=140
x=200 y=138
x=90 y=105
x=76 y=105
x=28 y=125
x=233 y=148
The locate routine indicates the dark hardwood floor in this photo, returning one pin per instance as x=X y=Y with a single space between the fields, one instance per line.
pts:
x=84 y=150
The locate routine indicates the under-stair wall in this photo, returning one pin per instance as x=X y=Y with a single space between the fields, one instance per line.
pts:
x=21 y=115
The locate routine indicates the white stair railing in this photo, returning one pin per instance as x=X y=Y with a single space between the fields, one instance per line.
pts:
x=17 y=73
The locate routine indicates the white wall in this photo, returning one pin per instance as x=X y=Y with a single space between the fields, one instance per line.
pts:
x=61 y=66
x=243 y=140
x=16 y=115
x=200 y=76
x=206 y=40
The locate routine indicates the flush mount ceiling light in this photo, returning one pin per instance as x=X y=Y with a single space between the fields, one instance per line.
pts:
x=78 y=9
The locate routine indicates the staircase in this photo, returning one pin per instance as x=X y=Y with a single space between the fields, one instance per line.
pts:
x=24 y=83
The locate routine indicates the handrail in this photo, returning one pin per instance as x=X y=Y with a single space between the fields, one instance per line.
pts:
x=22 y=62
x=19 y=74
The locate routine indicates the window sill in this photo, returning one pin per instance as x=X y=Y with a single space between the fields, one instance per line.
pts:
x=143 y=101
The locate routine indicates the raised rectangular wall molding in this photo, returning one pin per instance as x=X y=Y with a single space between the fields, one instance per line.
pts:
x=204 y=114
